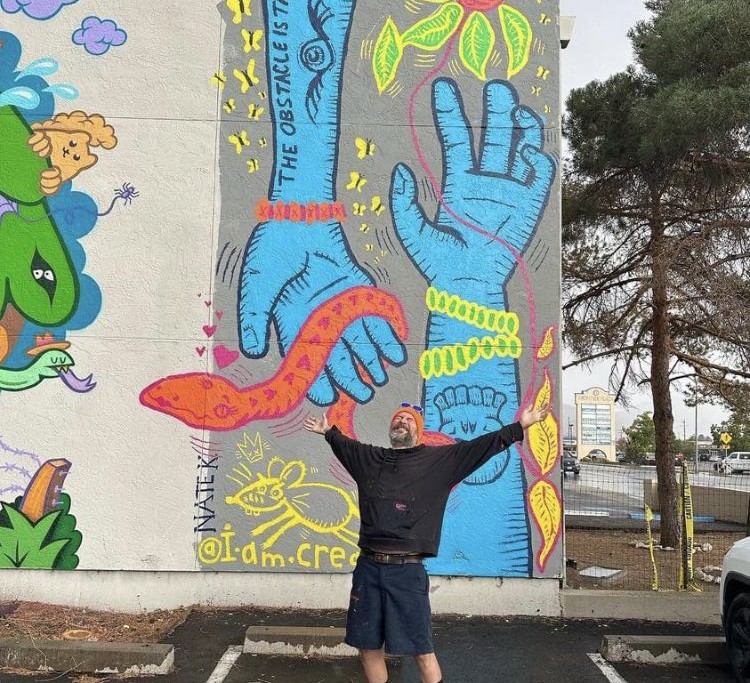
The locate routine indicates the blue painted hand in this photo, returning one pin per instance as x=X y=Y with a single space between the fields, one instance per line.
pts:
x=289 y=269
x=503 y=192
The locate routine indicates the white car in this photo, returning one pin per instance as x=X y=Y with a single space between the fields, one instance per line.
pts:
x=739 y=461
x=735 y=607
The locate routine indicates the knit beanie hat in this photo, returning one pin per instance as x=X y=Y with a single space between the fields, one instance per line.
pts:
x=416 y=414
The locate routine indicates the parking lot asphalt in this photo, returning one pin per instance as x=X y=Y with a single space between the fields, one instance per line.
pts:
x=470 y=649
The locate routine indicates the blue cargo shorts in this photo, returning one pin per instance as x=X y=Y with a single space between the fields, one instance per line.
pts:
x=390 y=605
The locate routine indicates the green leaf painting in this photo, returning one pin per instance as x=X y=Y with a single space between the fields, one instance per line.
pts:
x=433 y=32
x=50 y=543
x=518 y=36
x=476 y=43
x=387 y=55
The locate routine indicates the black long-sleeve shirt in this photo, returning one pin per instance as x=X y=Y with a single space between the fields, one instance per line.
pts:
x=403 y=492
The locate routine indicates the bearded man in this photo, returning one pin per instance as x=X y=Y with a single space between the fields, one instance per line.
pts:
x=403 y=491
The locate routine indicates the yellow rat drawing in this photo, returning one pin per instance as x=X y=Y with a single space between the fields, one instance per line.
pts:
x=320 y=507
x=66 y=140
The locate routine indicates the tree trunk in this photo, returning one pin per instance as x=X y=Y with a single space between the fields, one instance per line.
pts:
x=661 y=396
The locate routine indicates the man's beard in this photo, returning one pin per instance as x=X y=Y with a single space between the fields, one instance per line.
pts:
x=401 y=438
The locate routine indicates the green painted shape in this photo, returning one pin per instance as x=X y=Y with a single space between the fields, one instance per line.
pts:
x=51 y=543
x=31 y=233
x=45 y=366
x=20 y=166
x=25 y=544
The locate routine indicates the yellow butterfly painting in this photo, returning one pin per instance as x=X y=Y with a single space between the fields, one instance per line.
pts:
x=238 y=8
x=252 y=39
x=239 y=140
x=364 y=147
x=252 y=165
x=262 y=142
x=359 y=209
x=377 y=205
x=262 y=94
x=247 y=78
x=254 y=112
x=364 y=227
x=230 y=105
x=356 y=181
x=219 y=79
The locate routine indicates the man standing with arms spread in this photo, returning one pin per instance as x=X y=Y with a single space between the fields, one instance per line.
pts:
x=403 y=491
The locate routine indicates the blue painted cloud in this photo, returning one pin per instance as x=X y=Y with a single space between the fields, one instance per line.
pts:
x=98 y=35
x=36 y=9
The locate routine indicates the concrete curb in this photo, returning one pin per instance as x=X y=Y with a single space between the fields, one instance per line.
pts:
x=302 y=641
x=664 y=649
x=87 y=656
x=641 y=605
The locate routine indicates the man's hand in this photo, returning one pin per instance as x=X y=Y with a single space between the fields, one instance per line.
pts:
x=531 y=416
x=316 y=424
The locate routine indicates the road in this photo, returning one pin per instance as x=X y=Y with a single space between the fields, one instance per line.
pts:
x=617 y=490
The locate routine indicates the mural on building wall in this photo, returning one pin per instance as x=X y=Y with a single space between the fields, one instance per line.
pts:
x=45 y=292
x=398 y=171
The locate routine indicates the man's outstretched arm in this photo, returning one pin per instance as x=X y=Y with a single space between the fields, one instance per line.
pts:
x=471 y=455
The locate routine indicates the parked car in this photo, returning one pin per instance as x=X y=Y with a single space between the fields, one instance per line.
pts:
x=570 y=464
x=739 y=461
x=734 y=597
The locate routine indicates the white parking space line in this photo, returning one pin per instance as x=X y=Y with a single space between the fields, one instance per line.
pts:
x=606 y=668
x=225 y=664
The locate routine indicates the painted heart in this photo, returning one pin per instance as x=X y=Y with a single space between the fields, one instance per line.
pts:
x=209 y=330
x=208 y=304
x=224 y=357
x=219 y=314
x=201 y=350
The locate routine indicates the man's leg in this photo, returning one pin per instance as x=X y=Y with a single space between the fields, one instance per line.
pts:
x=429 y=669
x=373 y=662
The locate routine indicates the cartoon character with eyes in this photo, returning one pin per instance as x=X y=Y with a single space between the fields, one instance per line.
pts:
x=66 y=141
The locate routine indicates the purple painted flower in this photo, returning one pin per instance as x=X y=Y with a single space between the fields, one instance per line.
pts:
x=36 y=9
x=98 y=35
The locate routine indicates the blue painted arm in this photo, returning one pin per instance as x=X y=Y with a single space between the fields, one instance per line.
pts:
x=290 y=268
x=502 y=191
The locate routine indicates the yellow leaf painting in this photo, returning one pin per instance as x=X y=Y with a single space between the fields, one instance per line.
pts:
x=544 y=395
x=548 y=345
x=387 y=55
x=543 y=436
x=518 y=37
x=547 y=512
x=476 y=44
x=433 y=32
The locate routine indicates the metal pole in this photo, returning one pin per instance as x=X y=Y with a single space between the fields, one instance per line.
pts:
x=695 y=463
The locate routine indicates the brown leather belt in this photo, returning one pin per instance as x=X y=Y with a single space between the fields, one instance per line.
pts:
x=390 y=558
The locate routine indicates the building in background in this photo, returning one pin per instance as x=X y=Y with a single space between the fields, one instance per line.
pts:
x=595 y=424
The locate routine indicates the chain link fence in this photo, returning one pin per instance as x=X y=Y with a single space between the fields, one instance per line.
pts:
x=612 y=520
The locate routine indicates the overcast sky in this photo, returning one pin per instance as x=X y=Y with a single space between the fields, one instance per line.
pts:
x=599 y=48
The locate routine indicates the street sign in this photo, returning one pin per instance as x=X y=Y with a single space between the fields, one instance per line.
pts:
x=725 y=438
